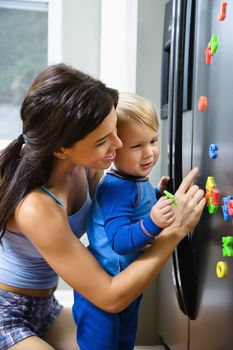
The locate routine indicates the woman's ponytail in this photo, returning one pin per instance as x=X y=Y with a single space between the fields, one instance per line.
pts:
x=21 y=170
x=9 y=158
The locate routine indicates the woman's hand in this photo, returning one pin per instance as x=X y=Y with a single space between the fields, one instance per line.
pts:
x=191 y=202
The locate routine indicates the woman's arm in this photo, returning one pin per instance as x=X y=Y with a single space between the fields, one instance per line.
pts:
x=47 y=227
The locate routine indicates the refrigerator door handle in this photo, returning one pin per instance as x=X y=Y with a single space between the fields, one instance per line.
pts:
x=182 y=257
x=183 y=73
x=188 y=55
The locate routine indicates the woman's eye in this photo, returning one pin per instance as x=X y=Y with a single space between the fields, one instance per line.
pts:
x=101 y=143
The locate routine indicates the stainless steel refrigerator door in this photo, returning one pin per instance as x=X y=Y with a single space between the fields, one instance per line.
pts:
x=172 y=323
x=213 y=327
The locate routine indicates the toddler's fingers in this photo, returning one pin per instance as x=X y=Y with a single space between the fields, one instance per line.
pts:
x=171 y=220
x=169 y=215
x=164 y=201
x=167 y=209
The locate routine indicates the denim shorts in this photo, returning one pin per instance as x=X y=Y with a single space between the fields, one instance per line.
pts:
x=23 y=316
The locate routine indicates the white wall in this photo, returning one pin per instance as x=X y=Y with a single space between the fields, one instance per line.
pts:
x=119 y=43
x=74 y=34
x=149 y=55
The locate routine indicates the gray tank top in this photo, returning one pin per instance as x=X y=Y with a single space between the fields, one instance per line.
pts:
x=22 y=266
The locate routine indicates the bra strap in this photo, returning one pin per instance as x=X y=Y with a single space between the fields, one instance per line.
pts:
x=52 y=195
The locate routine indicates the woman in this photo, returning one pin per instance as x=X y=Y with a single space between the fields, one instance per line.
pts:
x=69 y=129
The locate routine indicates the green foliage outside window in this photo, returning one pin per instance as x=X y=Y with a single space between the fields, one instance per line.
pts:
x=23 y=51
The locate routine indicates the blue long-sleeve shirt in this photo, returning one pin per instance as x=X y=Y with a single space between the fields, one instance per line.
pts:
x=120 y=225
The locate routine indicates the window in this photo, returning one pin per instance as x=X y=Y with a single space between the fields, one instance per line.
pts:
x=24 y=52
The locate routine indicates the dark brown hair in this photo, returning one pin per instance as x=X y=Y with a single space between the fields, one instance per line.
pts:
x=62 y=106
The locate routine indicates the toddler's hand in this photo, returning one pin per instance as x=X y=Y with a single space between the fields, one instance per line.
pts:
x=162 y=185
x=162 y=213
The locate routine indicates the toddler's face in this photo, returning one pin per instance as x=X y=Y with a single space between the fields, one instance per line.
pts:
x=140 y=150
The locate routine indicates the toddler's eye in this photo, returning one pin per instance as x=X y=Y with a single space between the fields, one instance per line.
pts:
x=154 y=141
x=135 y=146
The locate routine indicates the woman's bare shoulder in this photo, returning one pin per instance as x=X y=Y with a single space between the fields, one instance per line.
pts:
x=37 y=208
x=35 y=201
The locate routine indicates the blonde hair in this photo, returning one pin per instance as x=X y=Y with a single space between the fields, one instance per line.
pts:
x=133 y=106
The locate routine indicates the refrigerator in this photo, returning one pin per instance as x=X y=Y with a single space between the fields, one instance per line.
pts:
x=195 y=289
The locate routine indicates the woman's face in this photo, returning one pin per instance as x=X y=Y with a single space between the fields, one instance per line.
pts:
x=98 y=149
